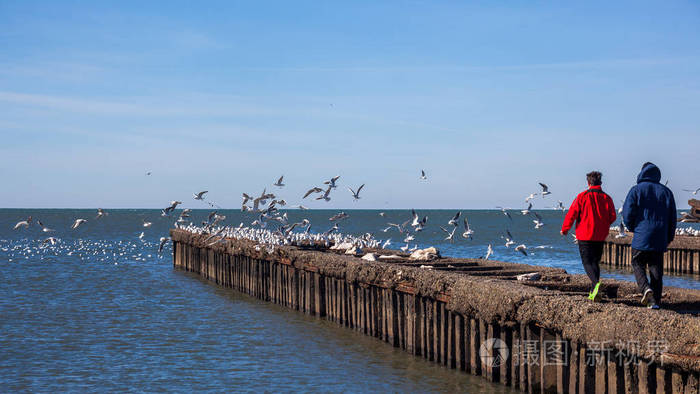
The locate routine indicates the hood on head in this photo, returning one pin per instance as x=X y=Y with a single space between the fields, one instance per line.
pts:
x=650 y=173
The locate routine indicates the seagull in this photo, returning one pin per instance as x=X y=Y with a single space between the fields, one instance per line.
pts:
x=415 y=222
x=522 y=249
x=246 y=198
x=331 y=182
x=561 y=206
x=356 y=195
x=173 y=205
x=141 y=236
x=23 y=223
x=325 y=194
x=526 y=210
x=695 y=192
x=467 y=234
x=505 y=212
x=303 y=208
x=163 y=240
x=386 y=243
x=43 y=228
x=453 y=221
x=148 y=173
x=382 y=214
x=422 y=175
x=77 y=223
x=538 y=221
x=509 y=239
x=279 y=182
x=50 y=240
x=450 y=235
x=311 y=191
x=200 y=195
x=530 y=197
x=101 y=213
x=489 y=252
x=339 y=216
x=185 y=213
x=621 y=230
x=545 y=189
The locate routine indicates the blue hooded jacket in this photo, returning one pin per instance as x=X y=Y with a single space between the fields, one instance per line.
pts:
x=650 y=211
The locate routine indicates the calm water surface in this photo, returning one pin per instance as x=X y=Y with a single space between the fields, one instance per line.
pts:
x=102 y=310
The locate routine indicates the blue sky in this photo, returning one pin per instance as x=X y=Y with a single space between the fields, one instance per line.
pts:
x=489 y=98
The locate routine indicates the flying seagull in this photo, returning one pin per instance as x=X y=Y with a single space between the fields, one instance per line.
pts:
x=200 y=195
x=454 y=219
x=146 y=224
x=77 y=223
x=695 y=192
x=163 y=240
x=522 y=249
x=489 y=252
x=545 y=189
x=505 y=212
x=23 y=223
x=527 y=210
x=530 y=197
x=538 y=221
x=311 y=191
x=450 y=235
x=468 y=232
x=422 y=175
x=331 y=182
x=356 y=194
x=279 y=182
x=325 y=194
x=101 y=213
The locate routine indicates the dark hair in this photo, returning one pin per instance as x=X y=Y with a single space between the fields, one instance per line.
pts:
x=594 y=178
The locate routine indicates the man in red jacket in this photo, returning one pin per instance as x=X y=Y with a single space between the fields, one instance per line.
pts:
x=594 y=212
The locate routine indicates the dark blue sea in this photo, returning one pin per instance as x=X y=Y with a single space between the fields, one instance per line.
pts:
x=102 y=310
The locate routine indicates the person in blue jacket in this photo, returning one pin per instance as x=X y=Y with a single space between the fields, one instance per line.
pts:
x=650 y=213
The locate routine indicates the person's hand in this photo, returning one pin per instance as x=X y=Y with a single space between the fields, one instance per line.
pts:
x=562 y=233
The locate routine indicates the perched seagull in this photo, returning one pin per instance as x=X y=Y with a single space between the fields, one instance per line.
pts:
x=422 y=175
x=163 y=240
x=331 y=182
x=200 y=195
x=147 y=224
x=527 y=210
x=101 y=213
x=695 y=192
x=77 y=223
x=522 y=249
x=279 y=182
x=621 y=230
x=505 y=212
x=311 y=191
x=538 y=221
x=468 y=232
x=450 y=235
x=545 y=189
x=454 y=219
x=356 y=195
x=489 y=252
x=530 y=197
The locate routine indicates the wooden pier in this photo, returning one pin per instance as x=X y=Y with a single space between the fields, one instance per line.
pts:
x=472 y=315
x=682 y=256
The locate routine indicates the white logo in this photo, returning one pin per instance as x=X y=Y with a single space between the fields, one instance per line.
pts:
x=493 y=352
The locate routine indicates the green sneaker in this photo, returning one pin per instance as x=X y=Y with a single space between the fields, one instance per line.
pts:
x=595 y=294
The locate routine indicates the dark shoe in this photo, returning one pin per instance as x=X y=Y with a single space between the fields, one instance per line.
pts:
x=648 y=297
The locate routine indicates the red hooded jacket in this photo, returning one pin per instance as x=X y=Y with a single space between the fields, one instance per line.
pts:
x=594 y=212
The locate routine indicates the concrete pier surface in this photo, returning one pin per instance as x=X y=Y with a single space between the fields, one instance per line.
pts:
x=682 y=256
x=473 y=315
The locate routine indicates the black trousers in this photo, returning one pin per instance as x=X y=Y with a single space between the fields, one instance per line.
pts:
x=655 y=260
x=591 y=252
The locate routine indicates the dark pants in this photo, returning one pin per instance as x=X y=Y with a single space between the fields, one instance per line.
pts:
x=655 y=260
x=591 y=252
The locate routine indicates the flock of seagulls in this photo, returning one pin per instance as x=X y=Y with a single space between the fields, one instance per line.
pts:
x=272 y=228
